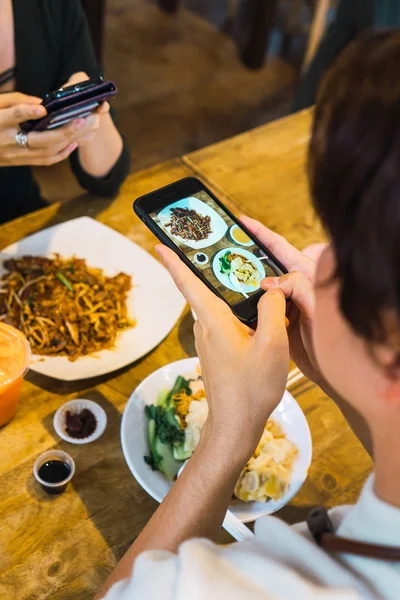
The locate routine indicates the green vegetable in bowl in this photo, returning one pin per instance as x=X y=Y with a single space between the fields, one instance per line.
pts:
x=224 y=262
x=162 y=458
x=180 y=384
x=166 y=437
x=167 y=427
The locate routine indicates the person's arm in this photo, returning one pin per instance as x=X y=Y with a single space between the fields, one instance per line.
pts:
x=339 y=34
x=242 y=391
x=195 y=506
x=101 y=153
x=102 y=163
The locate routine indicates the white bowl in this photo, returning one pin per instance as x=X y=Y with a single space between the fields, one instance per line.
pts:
x=232 y=230
x=135 y=443
x=77 y=406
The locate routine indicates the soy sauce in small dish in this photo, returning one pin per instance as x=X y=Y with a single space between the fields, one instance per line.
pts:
x=54 y=471
x=201 y=258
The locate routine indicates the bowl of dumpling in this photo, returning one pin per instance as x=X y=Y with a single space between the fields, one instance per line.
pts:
x=162 y=424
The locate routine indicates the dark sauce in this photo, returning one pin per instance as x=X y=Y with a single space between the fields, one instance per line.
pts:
x=80 y=425
x=201 y=258
x=54 y=471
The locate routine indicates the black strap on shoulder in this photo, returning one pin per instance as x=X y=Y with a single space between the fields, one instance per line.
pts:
x=7 y=76
x=321 y=528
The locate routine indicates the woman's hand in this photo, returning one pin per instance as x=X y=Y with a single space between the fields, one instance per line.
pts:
x=45 y=148
x=95 y=119
x=101 y=147
x=244 y=371
x=298 y=286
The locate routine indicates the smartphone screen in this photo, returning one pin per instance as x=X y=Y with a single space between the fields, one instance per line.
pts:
x=216 y=245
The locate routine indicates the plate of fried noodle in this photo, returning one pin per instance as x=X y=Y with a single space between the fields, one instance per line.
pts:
x=88 y=299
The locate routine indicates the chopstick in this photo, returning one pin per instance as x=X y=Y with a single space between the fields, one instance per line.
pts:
x=258 y=258
x=293 y=377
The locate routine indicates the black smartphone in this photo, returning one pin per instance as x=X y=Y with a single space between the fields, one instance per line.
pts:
x=70 y=90
x=187 y=217
x=72 y=102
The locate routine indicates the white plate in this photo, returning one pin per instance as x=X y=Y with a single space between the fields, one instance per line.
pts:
x=218 y=225
x=153 y=300
x=225 y=278
x=135 y=443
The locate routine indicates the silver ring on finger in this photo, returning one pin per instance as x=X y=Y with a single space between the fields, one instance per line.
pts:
x=22 y=141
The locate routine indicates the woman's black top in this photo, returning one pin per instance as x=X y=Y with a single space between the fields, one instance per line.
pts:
x=52 y=41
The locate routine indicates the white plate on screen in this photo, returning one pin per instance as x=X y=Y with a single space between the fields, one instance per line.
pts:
x=225 y=278
x=154 y=301
x=218 y=225
x=135 y=444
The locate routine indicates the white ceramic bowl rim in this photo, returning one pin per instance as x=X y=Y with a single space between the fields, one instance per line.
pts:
x=134 y=440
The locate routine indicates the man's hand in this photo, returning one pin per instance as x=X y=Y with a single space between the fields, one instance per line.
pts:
x=298 y=286
x=244 y=371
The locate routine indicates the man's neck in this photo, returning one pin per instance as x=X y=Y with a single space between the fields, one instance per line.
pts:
x=387 y=466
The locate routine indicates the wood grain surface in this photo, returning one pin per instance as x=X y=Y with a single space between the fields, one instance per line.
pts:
x=63 y=548
x=264 y=172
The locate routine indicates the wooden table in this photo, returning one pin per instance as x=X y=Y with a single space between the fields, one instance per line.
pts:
x=64 y=547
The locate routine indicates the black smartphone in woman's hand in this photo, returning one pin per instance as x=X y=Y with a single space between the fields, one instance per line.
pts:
x=76 y=101
x=187 y=217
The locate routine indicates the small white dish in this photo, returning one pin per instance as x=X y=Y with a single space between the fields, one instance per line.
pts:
x=134 y=440
x=54 y=455
x=235 y=241
x=201 y=255
x=76 y=406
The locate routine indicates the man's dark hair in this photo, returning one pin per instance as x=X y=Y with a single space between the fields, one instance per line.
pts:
x=354 y=171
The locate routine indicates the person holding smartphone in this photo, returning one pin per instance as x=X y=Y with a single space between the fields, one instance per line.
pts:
x=45 y=44
x=344 y=334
